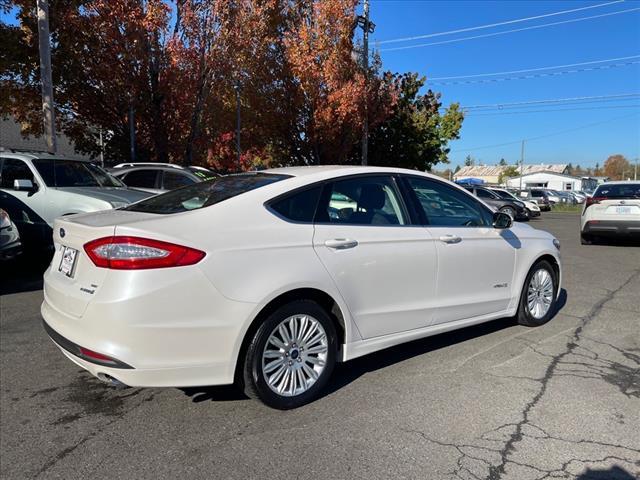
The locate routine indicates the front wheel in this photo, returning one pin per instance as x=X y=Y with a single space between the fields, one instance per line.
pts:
x=291 y=355
x=509 y=211
x=538 y=297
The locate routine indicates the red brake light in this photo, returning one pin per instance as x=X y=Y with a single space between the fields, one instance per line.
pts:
x=135 y=253
x=592 y=200
x=95 y=355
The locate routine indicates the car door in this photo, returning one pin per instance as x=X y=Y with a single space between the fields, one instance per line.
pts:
x=475 y=261
x=383 y=266
x=29 y=210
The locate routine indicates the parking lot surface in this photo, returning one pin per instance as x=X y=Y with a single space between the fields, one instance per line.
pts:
x=495 y=401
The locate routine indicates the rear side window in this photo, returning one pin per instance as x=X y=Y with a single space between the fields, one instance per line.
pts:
x=141 y=178
x=629 y=190
x=299 y=207
x=204 y=194
x=173 y=180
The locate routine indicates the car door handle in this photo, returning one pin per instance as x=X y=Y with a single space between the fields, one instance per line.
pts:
x=450 y=239
x=341 y=243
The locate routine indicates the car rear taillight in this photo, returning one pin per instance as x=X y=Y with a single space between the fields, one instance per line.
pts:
x=592 y=201
x=135 y=253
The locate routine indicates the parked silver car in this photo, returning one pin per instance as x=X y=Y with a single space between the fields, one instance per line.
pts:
x=36 y=188
x=10 y=245
x=160 y=177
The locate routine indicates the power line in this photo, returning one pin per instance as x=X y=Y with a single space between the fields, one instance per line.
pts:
x=554 y=100
x=605 y=107
x=491 y=25
x=504 y=32
x=538 y=75
x=538 y=69
x=588 y=125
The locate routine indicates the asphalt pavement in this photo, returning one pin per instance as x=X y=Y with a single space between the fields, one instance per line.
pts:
x=495 y=401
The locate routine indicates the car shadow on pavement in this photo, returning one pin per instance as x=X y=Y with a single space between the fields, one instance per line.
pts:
x=345 y=373
x=24 y=273
x=613 y=473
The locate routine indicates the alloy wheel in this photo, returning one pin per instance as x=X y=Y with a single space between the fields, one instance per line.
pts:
x=540 y=293
x=295 y=355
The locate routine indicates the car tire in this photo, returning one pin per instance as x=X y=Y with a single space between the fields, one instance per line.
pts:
x=586 y=239
x=531 y=309
x=277 y=369
x=509 y=211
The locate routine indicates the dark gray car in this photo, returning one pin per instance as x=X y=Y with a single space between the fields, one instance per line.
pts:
x=514 y=208
x=158 y=178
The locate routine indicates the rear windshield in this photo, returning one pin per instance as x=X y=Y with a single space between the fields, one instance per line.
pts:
x=62 y=173
x=627 y=190
x=204 y=194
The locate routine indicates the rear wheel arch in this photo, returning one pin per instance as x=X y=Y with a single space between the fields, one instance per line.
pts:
x=320 y=297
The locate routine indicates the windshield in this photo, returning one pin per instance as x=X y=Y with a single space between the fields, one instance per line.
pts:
x=203 y=173
x=506 y=195
x=204 y=194
x=62 y=173
x=630 y=190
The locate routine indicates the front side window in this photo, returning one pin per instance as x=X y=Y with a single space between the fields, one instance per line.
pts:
x=204 y=194
x=173 y=180
x=446 y=206
x=484 y=193
x=141 y=178
x=62 y=173
x=14 y=169
x=366 y=200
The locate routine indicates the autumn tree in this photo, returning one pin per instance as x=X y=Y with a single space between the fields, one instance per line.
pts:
x=617 y=167
x=509 y=172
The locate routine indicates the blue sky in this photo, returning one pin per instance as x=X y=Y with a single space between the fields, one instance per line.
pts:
x=610 y=127
x=613 y=36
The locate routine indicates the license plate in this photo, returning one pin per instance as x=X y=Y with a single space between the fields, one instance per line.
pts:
x=623 y=210
x=68 y=261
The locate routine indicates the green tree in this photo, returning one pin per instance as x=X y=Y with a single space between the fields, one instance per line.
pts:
x=503 y=162
x=416 y=134
x=510 y=171
x=469 y=161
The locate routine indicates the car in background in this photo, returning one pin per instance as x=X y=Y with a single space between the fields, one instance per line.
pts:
x=578 y=196
x=36 y=188
x=540 y=196
x=160 y=177
x=145 y=296
x=612 y=212
x=566 y=197
x=512 y=207
x=532 y=207
x=10 y=245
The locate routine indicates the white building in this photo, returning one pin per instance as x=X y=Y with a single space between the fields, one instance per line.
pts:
x=492 y=173
x=553 y=181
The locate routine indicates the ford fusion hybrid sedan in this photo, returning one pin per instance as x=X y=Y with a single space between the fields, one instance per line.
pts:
x=267 y=279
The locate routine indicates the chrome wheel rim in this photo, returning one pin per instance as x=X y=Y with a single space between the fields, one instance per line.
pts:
x=295 y=355
x=540 y=293
x=509 y=211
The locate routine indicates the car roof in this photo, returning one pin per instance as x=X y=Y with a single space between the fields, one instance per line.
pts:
x=121 y=170
x=621 y=182
x=31 y=155
x=327 y=171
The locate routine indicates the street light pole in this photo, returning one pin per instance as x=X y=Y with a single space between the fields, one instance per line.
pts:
x=45 y=75
x=237 y=86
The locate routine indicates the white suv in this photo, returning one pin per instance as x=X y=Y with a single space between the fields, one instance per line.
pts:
x=36 y=188
x=612 y=211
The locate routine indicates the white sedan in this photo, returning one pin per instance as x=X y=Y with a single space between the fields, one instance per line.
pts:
x=267 y=279
x=612 y=212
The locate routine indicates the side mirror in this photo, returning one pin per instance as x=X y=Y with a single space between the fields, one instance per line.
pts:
x=502 y=220
x=23 y=185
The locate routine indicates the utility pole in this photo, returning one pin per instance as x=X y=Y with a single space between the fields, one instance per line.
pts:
x=132 y=133
x=237 y=86
x=521 y=163
x=45 y=75
x=101 y=149
x=367 y=27
x=635 y=170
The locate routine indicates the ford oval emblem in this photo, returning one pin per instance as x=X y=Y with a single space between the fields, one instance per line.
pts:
x=62 y=233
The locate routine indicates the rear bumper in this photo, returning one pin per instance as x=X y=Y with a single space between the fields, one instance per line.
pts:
x=179 y=334
x=628 y=228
